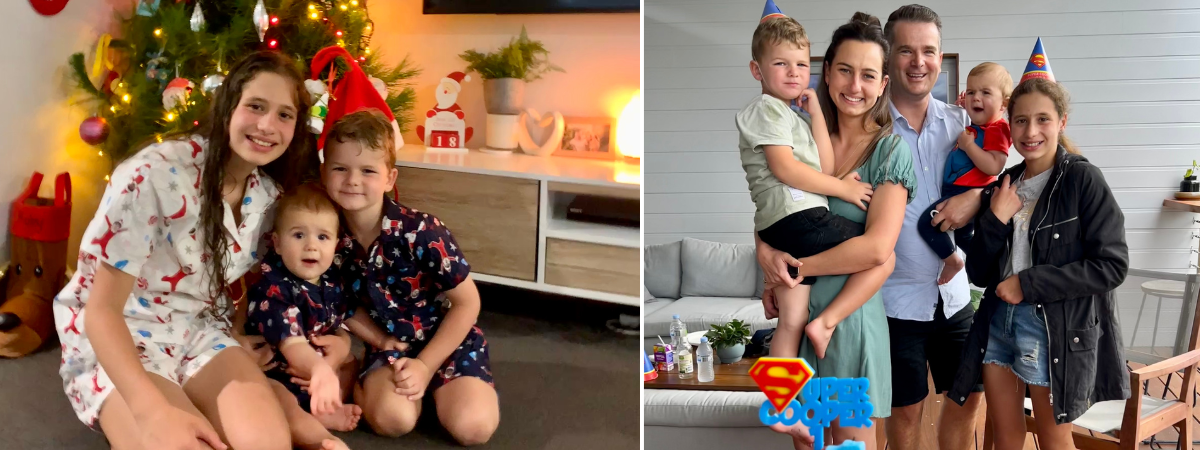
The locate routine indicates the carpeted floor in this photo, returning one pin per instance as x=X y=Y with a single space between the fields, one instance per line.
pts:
x=565 y=382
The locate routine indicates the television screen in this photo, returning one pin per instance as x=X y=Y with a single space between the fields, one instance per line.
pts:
x=528 y=6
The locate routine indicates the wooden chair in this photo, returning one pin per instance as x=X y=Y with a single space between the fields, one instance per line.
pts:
x=1126 y=423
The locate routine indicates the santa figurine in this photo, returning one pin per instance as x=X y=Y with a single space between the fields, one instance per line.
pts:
x=445 y=124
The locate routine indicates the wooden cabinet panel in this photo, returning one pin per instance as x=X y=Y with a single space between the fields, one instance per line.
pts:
x=494 y=219
x=597 y=267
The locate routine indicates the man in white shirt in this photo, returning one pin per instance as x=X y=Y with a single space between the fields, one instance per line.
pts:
x=928 y=323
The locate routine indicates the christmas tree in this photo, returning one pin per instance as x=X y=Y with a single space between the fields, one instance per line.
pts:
x=158 y=76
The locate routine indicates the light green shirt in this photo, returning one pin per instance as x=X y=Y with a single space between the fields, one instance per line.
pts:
x=769 y=121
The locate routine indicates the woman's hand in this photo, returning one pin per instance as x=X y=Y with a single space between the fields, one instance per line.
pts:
x=171 y=428
x=1009 y=290
x=325 y=390
x=1005 y=202
x=855 y=192
x=775 y=264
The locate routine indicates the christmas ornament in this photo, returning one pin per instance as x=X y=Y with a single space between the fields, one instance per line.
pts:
x=261 y=19
x=48 y=7
x=211 y=83
x=317 y=114
x=551 y=143
x=445 y=124
x=351 y=93
x=177 y=92
x=315 y=88
x=94 y=130
x=156 y=68
x=113 y=85
x=147 y=7
x=197 y=21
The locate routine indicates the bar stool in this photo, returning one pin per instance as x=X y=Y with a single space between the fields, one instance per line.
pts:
x=1161 y=289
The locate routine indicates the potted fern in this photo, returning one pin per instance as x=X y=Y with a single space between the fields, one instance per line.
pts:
x=729 y=340
x=506 y=70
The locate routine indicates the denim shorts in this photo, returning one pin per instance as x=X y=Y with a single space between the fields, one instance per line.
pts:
x=1018 y=340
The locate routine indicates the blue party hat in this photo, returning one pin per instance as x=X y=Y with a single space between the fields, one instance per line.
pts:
x=648 y=370
x=770 y=11
x=1038 y=66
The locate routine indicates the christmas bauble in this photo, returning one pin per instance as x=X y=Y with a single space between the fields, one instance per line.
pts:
x=211 y=83
x=93 y=130
x=177 y=92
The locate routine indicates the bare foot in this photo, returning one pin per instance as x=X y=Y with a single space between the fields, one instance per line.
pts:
x=333 y=444
x=344 y=419
x=819 y=335
x=953 y=264
x=799 y=433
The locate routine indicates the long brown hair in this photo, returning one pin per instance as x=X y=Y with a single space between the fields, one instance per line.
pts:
x=862 y=27
x=287 y=170
x=1057 y=95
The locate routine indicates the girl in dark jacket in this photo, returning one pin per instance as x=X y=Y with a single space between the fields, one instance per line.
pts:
x=1050 y=248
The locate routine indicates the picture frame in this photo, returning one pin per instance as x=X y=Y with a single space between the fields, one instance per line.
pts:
x=946 y=89
x=588 y=137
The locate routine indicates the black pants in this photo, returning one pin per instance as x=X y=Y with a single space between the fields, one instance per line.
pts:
x=809 y=232
x=919 y=348
x=937 y=239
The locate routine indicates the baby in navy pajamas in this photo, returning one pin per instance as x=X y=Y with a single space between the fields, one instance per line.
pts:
x=298 y=298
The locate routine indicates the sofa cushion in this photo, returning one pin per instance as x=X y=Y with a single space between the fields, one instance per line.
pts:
x=687 y=408
x=715 y=269
x=699 y=313
x=655 y=304
x=662 y=271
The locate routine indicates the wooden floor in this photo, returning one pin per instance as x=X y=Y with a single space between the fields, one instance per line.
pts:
x=933 y=408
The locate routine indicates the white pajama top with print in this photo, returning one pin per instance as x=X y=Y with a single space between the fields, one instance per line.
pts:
x=148 y=225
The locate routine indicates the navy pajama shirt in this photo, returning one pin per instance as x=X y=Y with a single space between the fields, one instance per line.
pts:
x=400 y=280
x=283 y=305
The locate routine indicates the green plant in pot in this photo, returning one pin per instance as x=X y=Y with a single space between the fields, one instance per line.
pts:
x=729 y=340
x=506 y=70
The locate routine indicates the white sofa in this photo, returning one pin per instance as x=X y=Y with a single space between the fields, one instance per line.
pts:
x=705 y=283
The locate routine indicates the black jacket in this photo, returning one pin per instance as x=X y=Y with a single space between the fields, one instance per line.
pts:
x=1077 y=243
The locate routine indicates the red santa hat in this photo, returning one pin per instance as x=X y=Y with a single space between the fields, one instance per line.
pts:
x=457 y=78
x=351 y=93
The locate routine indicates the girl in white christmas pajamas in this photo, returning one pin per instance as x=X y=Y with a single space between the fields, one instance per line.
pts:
x=146 y=273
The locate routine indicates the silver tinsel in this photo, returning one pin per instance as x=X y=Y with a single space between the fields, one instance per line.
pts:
x=261 y=20
x=211 y=83
x=197 y=19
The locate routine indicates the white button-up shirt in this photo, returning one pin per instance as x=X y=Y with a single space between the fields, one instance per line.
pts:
x=911 y=293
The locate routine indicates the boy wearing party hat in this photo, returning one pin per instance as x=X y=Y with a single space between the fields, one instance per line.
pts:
x=417 y=304
x=980 y=155
x=789 y=167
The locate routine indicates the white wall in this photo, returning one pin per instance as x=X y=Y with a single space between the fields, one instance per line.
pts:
x=1132 y=68
x=600 y=53
x=39 y=125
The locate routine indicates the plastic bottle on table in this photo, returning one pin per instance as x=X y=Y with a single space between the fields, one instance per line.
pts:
x=678 y=330
x=704 y=362
x=683 y=360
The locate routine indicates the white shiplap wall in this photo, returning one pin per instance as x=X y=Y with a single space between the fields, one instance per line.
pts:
x=1132 y=68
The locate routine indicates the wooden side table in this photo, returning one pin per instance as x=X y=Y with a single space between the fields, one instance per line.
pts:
x=729 y=377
